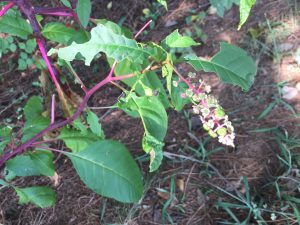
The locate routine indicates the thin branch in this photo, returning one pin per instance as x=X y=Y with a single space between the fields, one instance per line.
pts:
x=142 y=29
x=182 y=78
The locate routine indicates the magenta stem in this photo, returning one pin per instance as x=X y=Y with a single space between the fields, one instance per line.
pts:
x=6 y=8
x=53 y=109
x=47 y=61
x=142 y=29
x=23 y=147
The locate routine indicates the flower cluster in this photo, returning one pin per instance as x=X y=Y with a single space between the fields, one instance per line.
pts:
x=212 y=115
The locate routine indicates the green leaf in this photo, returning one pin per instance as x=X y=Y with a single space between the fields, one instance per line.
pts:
x=83 y=10
x=164 y=3
x=4 y=137
x=35 y=122
x=81 y=36
x=43 y=160
x=108 y=169
x=176 y=40
x=33 y=108
x=231 y=64
x=43 y=197
x=66 y=3
x=115 y=27
x=76 y=140
x=30 y=46
x=245 y=8
x=33 y=164
x=95 y=126
x=148 y=79
x=58 y=32
x=15 y=25
x=105 y=40
x=223 y=5
x=155 y=148
x=152 y=113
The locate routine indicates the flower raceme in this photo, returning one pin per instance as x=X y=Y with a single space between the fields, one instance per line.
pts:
x=212 y=115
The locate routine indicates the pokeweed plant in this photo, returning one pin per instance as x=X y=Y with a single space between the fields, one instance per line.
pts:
x=153 y=85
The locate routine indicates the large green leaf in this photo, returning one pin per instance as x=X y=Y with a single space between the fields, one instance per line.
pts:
x=15 y=25
x=43 y=197
x=245 y=8
x=231 y=64
x=176 y=40
x=58 y=32
x=152 y=113
x=34 y=163
x=77 y=140
x=108 y=169
x=105 y=40
x=83 y=10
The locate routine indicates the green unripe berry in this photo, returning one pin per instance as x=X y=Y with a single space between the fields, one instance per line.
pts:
x=222 y=131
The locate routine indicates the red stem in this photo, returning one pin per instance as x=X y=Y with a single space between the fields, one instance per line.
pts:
x=6 y=8
x=23 y=147
x=142 y=29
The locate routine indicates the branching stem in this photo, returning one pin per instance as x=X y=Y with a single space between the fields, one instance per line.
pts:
x=55 y=125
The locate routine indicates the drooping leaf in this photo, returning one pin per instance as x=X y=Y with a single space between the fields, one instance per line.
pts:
x=152 y=113
x=231 y=64
x=4 y=137
x=245 y=8
x=223 y=5
x=155 y=149
x=15 y=25
x=76 y=140
x=95 y=126
x=108 y=169
x=43 y=196
x=58 y=32
x=103 y=39
x=83 y=10
x=176 y=40
x=33 y=164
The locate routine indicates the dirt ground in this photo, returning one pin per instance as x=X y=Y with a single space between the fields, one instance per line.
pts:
x=197 y=172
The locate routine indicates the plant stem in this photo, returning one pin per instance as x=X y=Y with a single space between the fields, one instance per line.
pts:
x=142 y=29
x=6 y=8
x=26 y=7
x=57 y=11
x=53 y=109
